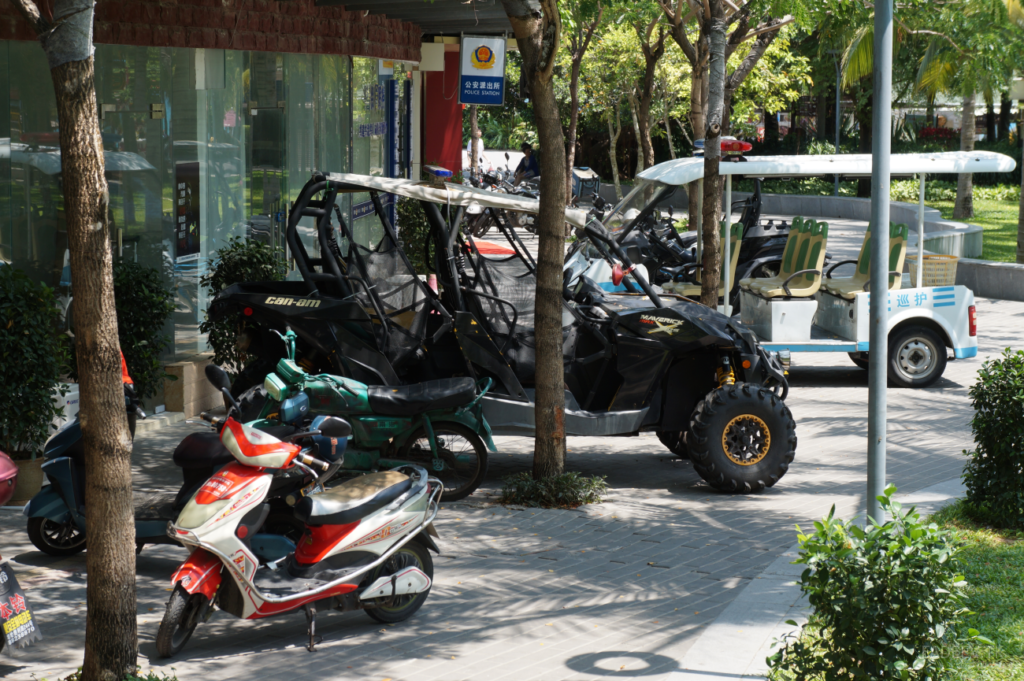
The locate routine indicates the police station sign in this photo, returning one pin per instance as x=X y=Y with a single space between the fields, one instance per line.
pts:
x=482 y=71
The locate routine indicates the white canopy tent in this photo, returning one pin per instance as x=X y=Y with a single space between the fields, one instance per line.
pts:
x=685 y=170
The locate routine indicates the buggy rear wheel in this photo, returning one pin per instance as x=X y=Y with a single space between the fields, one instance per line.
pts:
x=742 y=438
x=461 y=462
x=675 y=440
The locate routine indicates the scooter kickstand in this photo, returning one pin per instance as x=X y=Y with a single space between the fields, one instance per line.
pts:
x=311 y=619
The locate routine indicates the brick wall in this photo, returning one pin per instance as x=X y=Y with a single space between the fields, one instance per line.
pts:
x=263 y=25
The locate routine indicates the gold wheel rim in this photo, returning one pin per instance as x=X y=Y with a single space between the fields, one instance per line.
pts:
x=746 y=440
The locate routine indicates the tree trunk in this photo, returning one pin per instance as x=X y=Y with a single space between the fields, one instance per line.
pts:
x=668 y=134
x=574 y=114
x=822 y=117
x=636 y=131
x=863 y=115
x=929 y=112
x=613 y=154
x=652 y=53
x=1004 y=116
x=697 y=118
x=474 y=141
x=727 y=113
x=710 y=270
x=771 y=128
x=990 y=122
x=538 y=35
x=964 y=206
x=111 y=637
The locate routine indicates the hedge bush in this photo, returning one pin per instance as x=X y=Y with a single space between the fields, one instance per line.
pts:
x=240 y=261
x=567 y=490
x=994 y=475
x=33 y=359
x=885 y=600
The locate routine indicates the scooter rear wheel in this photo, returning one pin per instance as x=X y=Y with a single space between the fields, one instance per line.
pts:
x=56 y=539
x=401 y=608
x=462 y=458
x=180 y=620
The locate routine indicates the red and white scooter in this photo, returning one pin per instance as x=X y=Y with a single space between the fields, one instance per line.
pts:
x=365 y=544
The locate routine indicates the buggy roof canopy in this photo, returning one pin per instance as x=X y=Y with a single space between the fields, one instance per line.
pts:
x=685 y=170
x=450 y=194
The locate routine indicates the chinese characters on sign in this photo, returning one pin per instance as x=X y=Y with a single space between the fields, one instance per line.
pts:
x=482 y=71
x=19 y=627
x=186 y=214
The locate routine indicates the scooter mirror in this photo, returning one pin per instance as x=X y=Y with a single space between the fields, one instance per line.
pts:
x=507 y=157
x=217 y=377
x=332 y=426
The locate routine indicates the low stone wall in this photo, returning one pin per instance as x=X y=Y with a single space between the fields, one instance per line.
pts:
x=999 y=280
x=191 y=393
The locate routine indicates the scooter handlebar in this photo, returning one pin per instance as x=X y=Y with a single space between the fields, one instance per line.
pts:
x=312 y=461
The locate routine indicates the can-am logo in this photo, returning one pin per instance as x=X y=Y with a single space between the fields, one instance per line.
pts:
x=297 y=302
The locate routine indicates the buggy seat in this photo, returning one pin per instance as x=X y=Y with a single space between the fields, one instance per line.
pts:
x=352 y=500
x=406 y=400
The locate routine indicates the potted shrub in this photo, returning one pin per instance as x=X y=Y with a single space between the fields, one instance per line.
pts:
x=33 y=360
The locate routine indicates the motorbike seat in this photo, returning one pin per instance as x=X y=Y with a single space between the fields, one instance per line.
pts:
x=203 y=450
x=406 y=400
x=353 y=500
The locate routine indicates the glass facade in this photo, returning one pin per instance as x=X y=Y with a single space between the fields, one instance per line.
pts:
x=200 y=146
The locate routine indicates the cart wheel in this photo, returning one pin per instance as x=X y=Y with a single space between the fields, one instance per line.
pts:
x=860 y=359
x=742 y=438
x=917 y=357
x=673 y=439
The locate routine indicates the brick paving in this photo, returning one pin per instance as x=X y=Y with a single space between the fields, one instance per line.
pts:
x=621 y=588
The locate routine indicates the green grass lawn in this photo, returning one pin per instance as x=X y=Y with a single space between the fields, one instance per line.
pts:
x=993 y=563
x=998 y=219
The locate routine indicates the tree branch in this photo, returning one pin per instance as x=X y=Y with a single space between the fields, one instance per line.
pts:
x=30 y=13
x=768 y=29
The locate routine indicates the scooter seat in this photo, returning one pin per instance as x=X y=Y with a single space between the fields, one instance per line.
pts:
x=405 y=400
x=203 y=450
x=353 y=500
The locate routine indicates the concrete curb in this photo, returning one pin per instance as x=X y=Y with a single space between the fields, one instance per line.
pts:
x=158 y=421
x=736 y=644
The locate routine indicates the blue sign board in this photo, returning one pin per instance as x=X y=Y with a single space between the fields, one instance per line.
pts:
x=482 y=71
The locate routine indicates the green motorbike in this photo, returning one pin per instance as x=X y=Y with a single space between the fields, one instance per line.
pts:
x=438 y=424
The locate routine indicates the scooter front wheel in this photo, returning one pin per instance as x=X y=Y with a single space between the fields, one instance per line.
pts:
x=180 y=620
x=56 y=539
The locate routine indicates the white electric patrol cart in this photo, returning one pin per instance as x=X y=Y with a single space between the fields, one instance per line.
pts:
x=809 y=308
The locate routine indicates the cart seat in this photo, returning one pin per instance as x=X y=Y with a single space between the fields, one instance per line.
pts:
x=352 y=500
x=848 y=287
x=735 y=244
x=406 y=400
x=799 y=232
x=810 y=259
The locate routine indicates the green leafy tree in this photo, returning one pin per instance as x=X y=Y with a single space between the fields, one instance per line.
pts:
x=580 y=18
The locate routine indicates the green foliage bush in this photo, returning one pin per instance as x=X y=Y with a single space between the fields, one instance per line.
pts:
x=567 y=490
x=994 y=476
x=414 y=232
x=240 y=261
x=33 y=359
x=907 y=190
x=143 y=305
x=885 y=600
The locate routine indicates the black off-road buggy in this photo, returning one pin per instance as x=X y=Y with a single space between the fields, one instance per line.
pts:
x=633 y=362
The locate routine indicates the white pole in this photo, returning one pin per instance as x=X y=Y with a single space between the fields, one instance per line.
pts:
x=920 y=234
x=727 y=259
x=700 y=213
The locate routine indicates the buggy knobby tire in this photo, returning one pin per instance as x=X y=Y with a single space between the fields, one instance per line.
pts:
x=742 y=438
x=251 y=403
x=675 y=441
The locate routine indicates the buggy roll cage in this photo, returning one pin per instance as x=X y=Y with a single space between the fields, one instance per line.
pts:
x=334 y=271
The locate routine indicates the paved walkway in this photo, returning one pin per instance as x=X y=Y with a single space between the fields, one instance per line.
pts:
x=625 y=588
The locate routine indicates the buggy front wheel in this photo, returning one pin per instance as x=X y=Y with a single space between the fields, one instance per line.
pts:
x=675 y=441
x=742 y=438
x=461 y=462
